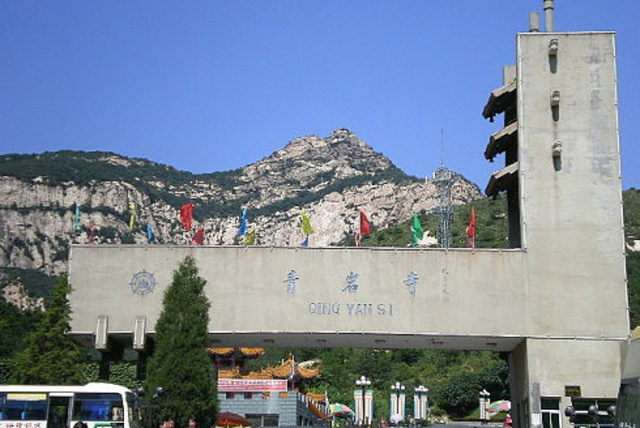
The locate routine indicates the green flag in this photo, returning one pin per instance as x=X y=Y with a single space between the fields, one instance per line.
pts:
x=416 y=231
x=250 y=238
x=76 y=219
x=306 y=224
x=133 y=216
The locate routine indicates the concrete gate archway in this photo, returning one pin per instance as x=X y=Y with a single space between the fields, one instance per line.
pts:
x=557 y=301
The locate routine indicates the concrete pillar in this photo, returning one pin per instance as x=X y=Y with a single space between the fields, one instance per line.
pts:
x=401 y=405
x=484 y=402
x=364 y=406
x=420 y=403
x=559 y=368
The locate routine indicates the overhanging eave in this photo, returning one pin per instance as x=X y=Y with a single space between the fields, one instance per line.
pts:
x=499 y=100
x=499 y=141
x=500 y=180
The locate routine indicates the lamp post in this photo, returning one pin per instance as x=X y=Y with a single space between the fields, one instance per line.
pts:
x=363 y=383
x=148 y=406
x=484 y=400
x=421 y=402
x=397 y=404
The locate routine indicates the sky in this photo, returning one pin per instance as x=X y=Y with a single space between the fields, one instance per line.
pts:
x=215 y=85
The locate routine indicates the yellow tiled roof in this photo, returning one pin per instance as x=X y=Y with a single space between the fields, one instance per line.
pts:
x=248 y=352
x=282 y=371
x=316 y=396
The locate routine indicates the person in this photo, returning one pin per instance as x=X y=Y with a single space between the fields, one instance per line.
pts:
x=167 y=423
x=80 y=424
x=192 y=422
x=117 y=414
x=507 y=421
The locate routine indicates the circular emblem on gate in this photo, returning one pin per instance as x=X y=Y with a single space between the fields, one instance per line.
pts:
x=143 y=282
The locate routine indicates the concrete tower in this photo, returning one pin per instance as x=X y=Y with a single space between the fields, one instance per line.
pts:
x=563 y=183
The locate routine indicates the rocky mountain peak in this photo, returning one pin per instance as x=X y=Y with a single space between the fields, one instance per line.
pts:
x=331 y=178
x=342 y=153
x=340 y=142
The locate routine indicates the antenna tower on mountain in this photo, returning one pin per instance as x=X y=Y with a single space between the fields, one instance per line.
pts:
x=443 y=179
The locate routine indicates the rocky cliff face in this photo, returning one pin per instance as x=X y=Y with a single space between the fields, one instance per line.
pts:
x=330 y=178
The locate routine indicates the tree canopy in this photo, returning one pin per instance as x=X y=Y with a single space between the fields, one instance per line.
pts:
x=180 y=364
x=51 y=356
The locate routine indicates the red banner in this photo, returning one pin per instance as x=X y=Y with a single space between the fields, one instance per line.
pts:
x=251 y=385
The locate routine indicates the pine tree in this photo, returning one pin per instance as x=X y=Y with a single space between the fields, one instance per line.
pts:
x=51 y=357
x=180 y=364
x=15 y=326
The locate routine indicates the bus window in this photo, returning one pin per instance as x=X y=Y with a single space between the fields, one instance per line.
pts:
x=98 y=406
x=58 y=412
x=24 y=406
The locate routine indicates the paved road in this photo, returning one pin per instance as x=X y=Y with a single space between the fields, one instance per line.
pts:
x=467 y=424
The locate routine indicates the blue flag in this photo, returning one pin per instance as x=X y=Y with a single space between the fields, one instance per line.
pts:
x=243 y=224
x=305 y=243
x=149 y=233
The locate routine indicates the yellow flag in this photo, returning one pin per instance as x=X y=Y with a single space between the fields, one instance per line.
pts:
x=250 y=238
x=306 y=224
x=133 y=216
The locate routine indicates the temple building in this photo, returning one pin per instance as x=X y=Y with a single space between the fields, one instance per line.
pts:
x=272 y=396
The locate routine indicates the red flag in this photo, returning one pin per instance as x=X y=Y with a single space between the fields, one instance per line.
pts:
x=471 y=229
x=365 y=225
x=92 y=233
x=186 y=215
x=198 y=237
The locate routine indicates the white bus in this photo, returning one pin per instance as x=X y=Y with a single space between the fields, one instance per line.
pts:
x=99 y=405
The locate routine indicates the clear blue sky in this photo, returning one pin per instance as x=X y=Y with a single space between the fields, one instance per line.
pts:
x=215 y=85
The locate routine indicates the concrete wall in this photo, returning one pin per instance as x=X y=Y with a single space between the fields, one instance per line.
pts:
x=631 y=360
x=460 y=296
x=571 y=218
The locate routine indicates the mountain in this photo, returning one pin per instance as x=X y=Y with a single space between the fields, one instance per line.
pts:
x=330 y=178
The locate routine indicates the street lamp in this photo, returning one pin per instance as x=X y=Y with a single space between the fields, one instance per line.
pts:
x=397 y=408
x=421 y=405
x=363 y=383
x=484 y=401
x=148 y=406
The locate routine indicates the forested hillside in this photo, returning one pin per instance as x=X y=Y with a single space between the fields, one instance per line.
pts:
x=631 y=200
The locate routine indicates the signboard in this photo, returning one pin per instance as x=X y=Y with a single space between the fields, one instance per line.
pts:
x=23 y=424
x=26 y=396
x=572 y=391
x=251 y=385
